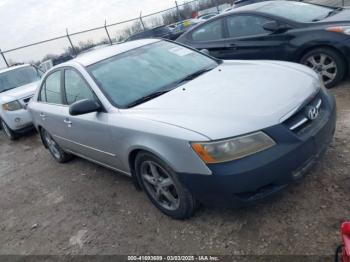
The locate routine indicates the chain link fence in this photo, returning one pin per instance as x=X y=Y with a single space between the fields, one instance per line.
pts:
x=66 y=46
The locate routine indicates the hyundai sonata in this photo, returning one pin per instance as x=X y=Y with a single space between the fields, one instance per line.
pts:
x=186 y=127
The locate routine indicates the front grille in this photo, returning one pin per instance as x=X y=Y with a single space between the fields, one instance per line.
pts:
x=304 y=117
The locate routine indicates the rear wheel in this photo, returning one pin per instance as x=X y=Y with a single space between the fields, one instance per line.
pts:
x=162 y=187
x=327 y=63
x=55 y=150
x=10 y=134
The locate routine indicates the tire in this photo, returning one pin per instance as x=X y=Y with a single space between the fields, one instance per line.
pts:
x=10 y=134
x=56 y=151
x=327 y=63
x=183 y=204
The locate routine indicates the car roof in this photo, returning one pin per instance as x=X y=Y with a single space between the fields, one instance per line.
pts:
x=95 y=56
x=4 y=70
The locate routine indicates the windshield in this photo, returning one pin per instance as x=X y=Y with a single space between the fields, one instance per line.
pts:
x=296 y=11
x=18 y=77
x=127 y=77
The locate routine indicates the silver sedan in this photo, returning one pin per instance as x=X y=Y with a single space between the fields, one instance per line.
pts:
x=186 y=127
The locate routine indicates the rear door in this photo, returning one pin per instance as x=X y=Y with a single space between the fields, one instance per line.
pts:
x=210 y=36
x=88 y=135
x=247 y=38
x=50 y=108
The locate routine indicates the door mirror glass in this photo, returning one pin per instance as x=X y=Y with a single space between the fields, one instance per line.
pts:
x=84 y=107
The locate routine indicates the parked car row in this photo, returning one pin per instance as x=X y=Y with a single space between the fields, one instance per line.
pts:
x=187 y=127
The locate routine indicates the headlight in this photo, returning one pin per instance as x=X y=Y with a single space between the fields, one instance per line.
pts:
x=12 y=106
x=339 y=29
x=231 y=149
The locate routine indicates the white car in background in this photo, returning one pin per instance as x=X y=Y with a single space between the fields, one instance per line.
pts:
x=17 y=86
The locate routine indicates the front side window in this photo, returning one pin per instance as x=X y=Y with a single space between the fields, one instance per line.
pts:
x=208 y=32
x=297 y=11
x=76 y=88
x=246 y=25
x=127 y=77
x=18 y=77
x=51 y=89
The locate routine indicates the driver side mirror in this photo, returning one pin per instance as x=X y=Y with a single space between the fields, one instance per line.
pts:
x=275 y=27
x=84 y=107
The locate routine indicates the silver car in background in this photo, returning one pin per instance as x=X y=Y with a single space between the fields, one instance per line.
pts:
x=186 y=127
x=17 y=86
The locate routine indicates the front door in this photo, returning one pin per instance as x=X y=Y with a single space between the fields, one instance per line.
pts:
x=247 y=39
x=210 y=36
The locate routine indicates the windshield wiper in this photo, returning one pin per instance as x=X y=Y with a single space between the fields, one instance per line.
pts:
x=194 y=75
x=330 y=13
x=147 y=98
x=174 y=85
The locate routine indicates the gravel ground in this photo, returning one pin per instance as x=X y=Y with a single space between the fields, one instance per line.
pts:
x=81 y=208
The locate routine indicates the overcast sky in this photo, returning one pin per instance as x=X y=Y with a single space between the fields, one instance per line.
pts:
x=26 y=21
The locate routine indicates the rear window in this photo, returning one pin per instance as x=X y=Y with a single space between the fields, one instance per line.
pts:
x=296 y=11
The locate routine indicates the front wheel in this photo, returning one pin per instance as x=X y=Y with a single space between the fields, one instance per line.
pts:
x=162 y=187
x=327 y=63
x=10 y=134
x=55 y=150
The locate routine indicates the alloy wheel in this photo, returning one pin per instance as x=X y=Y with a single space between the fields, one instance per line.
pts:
x=6 y=129
x=160 y=185
x=52 y=145
x=323 y=65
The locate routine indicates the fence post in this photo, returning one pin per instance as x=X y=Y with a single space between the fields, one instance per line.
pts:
x=178 y=12
x=217 y=6
x=3 y=57
x=70 y=41
x=143 y=26
x=109 y=37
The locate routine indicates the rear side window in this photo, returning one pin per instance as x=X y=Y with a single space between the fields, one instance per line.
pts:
x=76 y=88
x=246 y=25
x=51 y=89
x=209 y=32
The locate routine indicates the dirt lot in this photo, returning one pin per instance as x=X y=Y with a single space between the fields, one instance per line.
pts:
x=81 y=208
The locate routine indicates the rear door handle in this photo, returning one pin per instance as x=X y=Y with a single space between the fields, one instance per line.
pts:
x=68 y=122
x=43 y=116
x=232 y=46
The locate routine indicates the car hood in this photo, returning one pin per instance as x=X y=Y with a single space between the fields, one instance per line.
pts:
x=19 y=92
x=235 y=98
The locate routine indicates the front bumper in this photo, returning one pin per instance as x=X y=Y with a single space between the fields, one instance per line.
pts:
x=18 y=120
x=247 y=180
x=344 y=48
